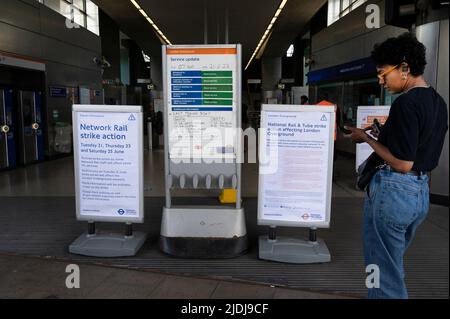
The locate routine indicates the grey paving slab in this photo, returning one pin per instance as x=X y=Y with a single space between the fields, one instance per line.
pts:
x=173 y=287
x=38 y=278
x=20 y=279
x=236 y=290
x=127 y=284
x=281 y=293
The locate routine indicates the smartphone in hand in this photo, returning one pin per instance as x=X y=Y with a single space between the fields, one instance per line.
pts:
x=376 y=127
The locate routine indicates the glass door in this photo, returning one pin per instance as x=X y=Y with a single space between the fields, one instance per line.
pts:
x=4 y=129
x=29 y=127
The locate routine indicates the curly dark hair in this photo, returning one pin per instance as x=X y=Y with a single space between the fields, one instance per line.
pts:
x=404 y=48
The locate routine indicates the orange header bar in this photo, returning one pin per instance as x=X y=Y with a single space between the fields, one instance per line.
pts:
x=381 y=119
x=203 y=51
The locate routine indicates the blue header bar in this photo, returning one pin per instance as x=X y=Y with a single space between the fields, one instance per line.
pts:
x=187 y=95
x=187 y=102
x=186 y=73
x=225 y=109
x=187 y=88
x=186 y=80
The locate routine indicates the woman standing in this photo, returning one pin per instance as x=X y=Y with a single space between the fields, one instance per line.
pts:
x=410 y=143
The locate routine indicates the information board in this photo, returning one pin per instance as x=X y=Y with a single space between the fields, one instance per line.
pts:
x=364 y=118
x=296 y=162
x=202 y=96
x=108 y=155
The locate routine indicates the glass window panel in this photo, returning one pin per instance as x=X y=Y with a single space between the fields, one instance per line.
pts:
x=92 y=17
x=357 y=3
x=333 y=11
x=54 y=5
x=65 y=9
x=345 y=4
x=79 y=4
x=78 y=17
x=339 y=8
x=91 y=9
x=92 y=25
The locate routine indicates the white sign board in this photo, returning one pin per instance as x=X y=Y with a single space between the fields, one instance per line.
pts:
x=296 y=163
x=108 y=154
x=201 y=87
x=364 y=118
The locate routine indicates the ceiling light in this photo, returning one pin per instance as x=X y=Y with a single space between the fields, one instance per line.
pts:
x=135 y=4
x=145 y=15
x=269 y=27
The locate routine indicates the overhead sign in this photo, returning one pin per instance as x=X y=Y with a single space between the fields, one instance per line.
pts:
x=144 y=81
x=296 y=162
x=364 y=118
x=15 y=60
x=351 y=69
x=108 y=154
x=202 y=92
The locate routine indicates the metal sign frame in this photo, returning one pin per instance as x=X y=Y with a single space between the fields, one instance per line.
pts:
x=299 y=108
x=140 y=158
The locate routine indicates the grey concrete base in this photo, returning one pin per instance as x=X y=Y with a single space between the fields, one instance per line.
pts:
x=292 y=250
x=108 y=245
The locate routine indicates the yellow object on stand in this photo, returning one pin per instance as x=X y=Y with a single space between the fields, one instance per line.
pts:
x=228 y=196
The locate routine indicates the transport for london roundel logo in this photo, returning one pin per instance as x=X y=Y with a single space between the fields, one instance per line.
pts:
x=121 y=212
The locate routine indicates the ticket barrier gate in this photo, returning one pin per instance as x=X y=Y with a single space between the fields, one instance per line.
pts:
x=30 y=127
x=7 y=143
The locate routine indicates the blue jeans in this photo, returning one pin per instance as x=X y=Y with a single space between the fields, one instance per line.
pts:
x=396 y=204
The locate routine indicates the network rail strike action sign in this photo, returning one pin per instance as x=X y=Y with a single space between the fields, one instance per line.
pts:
x=108 y=162
x=296 y=161
x=202 y=92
